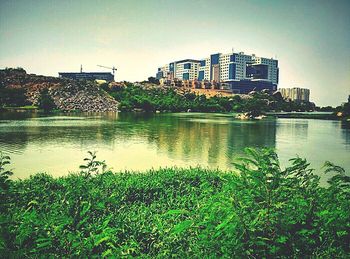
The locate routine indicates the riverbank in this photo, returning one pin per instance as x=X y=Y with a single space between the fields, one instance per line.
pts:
x=153 y=98
x=260 y=212
x=238 y=116
x=20 y=108
x=305 y=115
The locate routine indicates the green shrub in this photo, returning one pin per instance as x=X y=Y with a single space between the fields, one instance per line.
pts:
x=45 y=101
x=259 y=211
x=13 y=97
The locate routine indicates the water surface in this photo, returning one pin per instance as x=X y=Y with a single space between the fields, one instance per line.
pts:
x=129 y=141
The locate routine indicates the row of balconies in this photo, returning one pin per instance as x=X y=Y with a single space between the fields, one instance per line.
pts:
x=205 y=84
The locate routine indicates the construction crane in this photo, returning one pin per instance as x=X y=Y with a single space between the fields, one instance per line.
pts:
x=113 y=68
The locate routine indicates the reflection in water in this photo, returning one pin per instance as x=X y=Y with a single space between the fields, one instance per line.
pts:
x=214 y=144
x=345 y=131
x=316 y=140
x=57 y=144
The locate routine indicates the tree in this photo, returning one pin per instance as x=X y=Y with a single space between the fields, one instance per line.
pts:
x=13 y=97
x=45 y=101
x=346 y=108
x=153 y=80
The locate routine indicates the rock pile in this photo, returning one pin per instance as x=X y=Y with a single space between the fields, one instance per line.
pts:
x=68 y=95
x=82 y=96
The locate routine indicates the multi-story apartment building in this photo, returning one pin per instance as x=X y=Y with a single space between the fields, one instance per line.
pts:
x=295 y=94
x=186 y=69
x=232 y=68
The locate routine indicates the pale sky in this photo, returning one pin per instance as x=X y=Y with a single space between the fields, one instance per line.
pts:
x=311 y=38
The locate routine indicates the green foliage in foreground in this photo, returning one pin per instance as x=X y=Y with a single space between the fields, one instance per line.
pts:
x=265 y=211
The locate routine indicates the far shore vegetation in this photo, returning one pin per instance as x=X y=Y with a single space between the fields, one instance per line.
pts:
x=136 y=96
x=147 y=96
x=260 y=210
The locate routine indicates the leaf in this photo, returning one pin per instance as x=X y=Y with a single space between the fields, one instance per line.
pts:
x=106 y=238
x=85 y=209
x=81 y=222
x=107 y=252
x=75 y=244
x=279 y=205
x=323 y=212
x=330 y=167
x=182 y=226
x=224 y=223
x=282 y=239
x=43 y=244
x=176 y=212
x=105 y=222
x=33 y=202
x=341 y=233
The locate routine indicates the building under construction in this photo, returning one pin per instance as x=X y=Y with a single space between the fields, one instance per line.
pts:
x=88 y=76
x=109 y=77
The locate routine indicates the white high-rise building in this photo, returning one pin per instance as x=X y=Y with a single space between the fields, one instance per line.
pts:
x=186 y=69
x=219 y=67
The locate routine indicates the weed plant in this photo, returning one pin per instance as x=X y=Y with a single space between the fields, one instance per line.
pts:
x=258 y=211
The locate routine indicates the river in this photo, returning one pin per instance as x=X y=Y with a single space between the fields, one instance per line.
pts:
x=58 y=143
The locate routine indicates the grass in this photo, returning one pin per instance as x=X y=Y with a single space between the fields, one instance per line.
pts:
x=27 y=107
x=263 y=211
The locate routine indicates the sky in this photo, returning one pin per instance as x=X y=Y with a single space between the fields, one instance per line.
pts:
x=310 y=38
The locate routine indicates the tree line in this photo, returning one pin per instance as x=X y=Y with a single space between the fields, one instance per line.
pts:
x=169 y=99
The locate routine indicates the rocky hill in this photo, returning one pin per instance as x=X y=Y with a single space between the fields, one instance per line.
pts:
x=67 y=94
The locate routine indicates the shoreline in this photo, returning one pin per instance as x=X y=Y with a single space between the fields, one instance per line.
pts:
x=304 y=115
x=280 y=115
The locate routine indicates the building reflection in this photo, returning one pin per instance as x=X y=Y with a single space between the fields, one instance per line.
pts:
x=210 y=143
x=345 y=131
x=204 y=139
